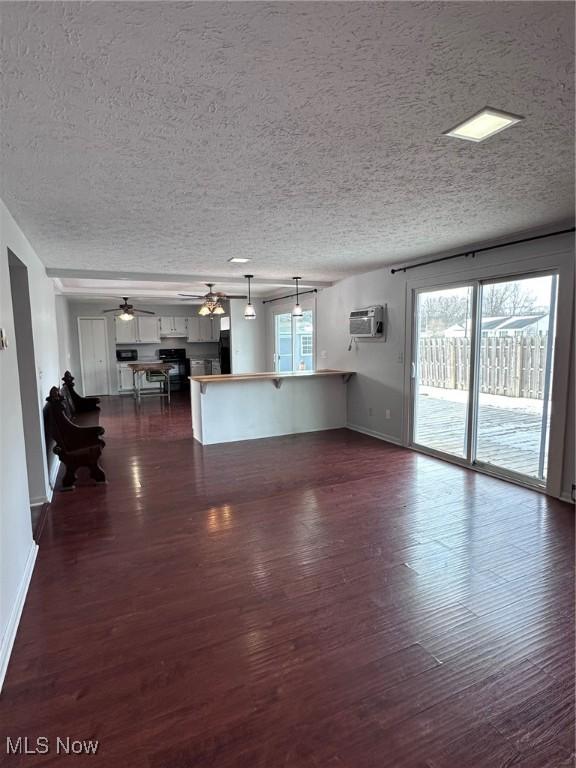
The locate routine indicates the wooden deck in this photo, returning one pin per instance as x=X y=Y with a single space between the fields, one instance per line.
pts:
x=508 y=434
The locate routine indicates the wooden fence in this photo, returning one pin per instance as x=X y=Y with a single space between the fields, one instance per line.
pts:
x=512 y=366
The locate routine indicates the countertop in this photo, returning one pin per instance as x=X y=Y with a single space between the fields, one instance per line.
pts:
x=230 y=377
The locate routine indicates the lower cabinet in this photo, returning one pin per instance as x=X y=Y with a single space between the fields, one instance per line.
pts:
x=125 y=379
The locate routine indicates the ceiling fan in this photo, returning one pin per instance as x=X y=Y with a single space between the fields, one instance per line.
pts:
x=212 y=301
x=128 y=311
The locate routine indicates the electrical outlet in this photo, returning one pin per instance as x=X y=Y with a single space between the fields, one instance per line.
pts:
x=400 y=357
x=387 y=413
x=324 y=354
x=369 y=411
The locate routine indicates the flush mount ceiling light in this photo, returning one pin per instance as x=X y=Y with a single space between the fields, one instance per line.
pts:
x=483 y=124
x=249 y=311
x=238 y=260
x=297 y=309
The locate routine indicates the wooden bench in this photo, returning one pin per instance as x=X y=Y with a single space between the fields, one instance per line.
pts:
x=76 y=445
x=84 y=411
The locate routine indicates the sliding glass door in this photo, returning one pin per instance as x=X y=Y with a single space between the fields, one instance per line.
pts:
x=441 y=369
x=482 y=373
x=294 y=342
x=515 y=374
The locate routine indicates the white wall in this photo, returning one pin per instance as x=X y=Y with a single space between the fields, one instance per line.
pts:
x=85 y=308
x=17 y=549
x=381 y=380
x=248 y=338
x=63 y=330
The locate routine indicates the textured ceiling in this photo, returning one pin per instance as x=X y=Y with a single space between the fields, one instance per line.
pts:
x=162 y=136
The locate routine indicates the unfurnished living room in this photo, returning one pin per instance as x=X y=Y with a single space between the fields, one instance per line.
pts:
x=287 y=465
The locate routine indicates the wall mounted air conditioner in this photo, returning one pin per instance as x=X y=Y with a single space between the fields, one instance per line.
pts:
x=367 y=323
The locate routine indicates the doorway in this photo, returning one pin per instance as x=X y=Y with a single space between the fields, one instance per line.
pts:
x=34 y=441
x=94 y=360
x=482 y=373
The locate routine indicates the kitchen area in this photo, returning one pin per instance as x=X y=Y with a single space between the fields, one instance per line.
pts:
x=192 y=345
x=103 y=346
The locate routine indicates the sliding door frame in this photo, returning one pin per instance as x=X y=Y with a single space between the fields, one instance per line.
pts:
x=532 y=260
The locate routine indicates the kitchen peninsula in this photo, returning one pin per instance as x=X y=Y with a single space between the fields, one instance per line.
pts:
x=254 y=405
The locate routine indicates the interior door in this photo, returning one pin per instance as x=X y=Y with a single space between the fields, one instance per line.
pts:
x=93 y=355
x=441 y=369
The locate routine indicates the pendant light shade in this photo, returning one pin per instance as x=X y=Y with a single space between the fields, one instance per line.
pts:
x=249 y=311
x=297 y=309
x=203 y=311
x=218 y=309
x=126 y=316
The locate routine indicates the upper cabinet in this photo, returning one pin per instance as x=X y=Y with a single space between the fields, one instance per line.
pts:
x=125 y=331
x=173 y=326
x=203 y=329
x=212 y=328
x=148 y=329
x=140 y=330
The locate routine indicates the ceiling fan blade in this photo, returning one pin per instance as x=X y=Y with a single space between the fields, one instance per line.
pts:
x=143 y=311
x=192 y=295
x=235 y=296
x=111 y=310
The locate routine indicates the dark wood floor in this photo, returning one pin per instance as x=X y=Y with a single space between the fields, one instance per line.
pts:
x=322 y=600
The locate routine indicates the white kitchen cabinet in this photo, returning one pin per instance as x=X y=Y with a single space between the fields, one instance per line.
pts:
x=140 y=330
x=194 y=328
x=125 y=331
x=125 y=380
x=209 y=328
x=203 y=329
x=148 y=330
x=173 y=326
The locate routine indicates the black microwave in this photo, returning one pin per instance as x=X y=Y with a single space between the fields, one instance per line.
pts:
x=126 y=354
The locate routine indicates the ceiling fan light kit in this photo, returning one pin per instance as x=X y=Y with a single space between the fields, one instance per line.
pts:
x=127 y=311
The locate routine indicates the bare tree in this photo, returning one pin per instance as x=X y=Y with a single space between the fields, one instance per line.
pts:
x=507 y=299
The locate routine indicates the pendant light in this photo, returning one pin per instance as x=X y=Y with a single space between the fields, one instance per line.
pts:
x=297 y=309
x=249 y=311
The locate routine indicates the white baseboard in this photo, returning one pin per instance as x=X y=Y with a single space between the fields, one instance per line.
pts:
x=567 y=498
x=373 y=433
x=14 y=620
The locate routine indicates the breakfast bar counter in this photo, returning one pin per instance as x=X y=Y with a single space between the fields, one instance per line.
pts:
x=248 y=406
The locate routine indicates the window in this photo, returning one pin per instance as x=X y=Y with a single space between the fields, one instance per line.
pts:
x=306 y=344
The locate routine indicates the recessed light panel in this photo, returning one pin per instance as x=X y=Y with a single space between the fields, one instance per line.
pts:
x=484 y=124
x=238 y=260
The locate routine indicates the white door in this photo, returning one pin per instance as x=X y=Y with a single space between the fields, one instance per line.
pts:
x=92 y=333
x=148 y=330
x=179 y=326
x=125 y=331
